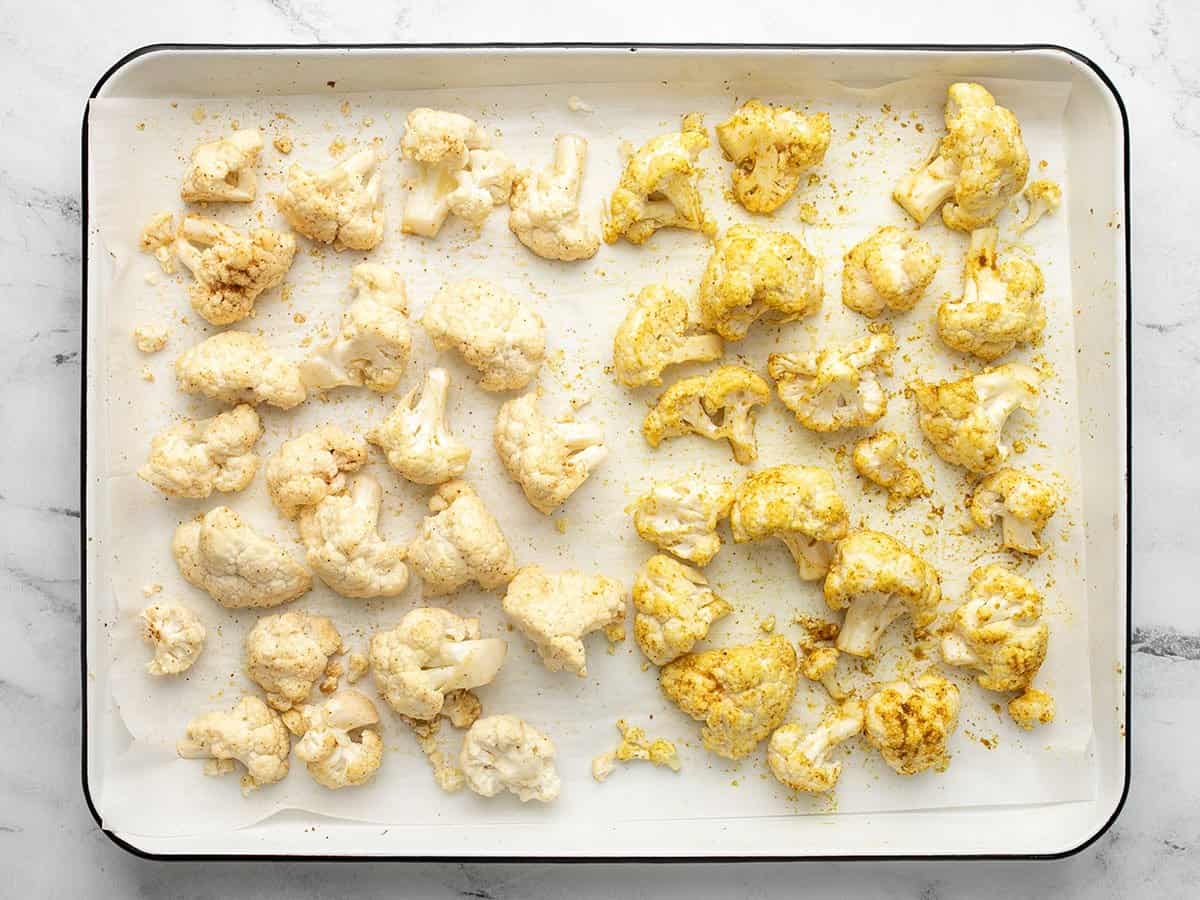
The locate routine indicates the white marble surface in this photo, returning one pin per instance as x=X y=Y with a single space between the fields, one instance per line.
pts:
x=52 y=53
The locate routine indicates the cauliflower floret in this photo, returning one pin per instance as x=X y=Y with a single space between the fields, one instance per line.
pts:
x=837 y=386
x=158 y=238
x=373 y=342
x=239 y=568
x=494 y=332
x=416 y=438
x=681 y=517
x=659 y=332
x=635 y=746
x=675 y=607
x=1043 y=197
x=223 y=171
x=909 y=724
x=755 y=273
x=819 y=663
x=1023 y=503
x=231 y=268
x=980 y=163
x=1031 y=709
x=336 y=740
x=964 y=419
x=237 y=367
x=658 y=187
x=309 y=468
x=177 y=635
x=717 y=406
x=799 y=505
x=504 y=753
x=876 y=580
x=150 y=338
x=799 y=758
x=251 y=733
x=891 y=269
x=880 y=458
x=998 y=631
x=544 y=207
x=195 y=457
x=771 y=147
x=446 y=774
x=287 y=654
x=556 y=611
x=741 y=693
x=340 y=206
x=344 y=546
x=459 y=543
x=549 y=459
x=431 y=653
x=1000 y=306
x=487 y=181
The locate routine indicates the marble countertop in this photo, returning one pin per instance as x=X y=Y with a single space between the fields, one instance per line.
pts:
x=53 y=53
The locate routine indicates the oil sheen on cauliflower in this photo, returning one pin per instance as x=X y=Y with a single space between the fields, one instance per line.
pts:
x=222 y=171
x=718 y=406
x=799 y=757
x=504 y=753
x=459 y=543
x=891 y=269
x=237 y=367
x=880 y=459
x=340 y=206
x=909 y=724
x=251 y=733
x=681 y=516
x=287 y=654
x=635 y=746
x=194 y=457
x=1022 y=503
x=338 y=744
x=176 y=634
x=771 y=147
x=544 y=206
x=1043 y=197
x=1031 y=709
x=309 y=468
x=837 y=386
x=416 y=438
x=675 y=607
x=657 y=332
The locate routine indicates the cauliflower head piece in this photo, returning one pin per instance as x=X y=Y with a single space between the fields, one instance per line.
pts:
x=337 y=743
x=718 y=406
x=504 y=753
x=416 y=437
x=1031 y=709
x=1043 y=197
x=1022 y=503
x=195 y=457
x=657 y=332
x=251 y=733
x=771 y=148
x=544 y=210
x=681 y=516
x=459 y=543
x=881 y=460
x=176 y=634
x=799 y=757
x=288 y=653
x=837 y=386
x=909 y=724
x=222 y=171
x=890 y=269
x=237 y=367
x=340 y=206
x=675 y=607
x=309 y=468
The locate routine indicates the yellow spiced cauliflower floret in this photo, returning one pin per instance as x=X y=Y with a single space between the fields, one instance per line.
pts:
x=909 y=724
x=287 y=654
x=307 y=469
x=799 y=757
x=1023 y=503
x=837 y=386
x=659 y=331
x=339 y=206
x=771 y=148
x=718 y=406
x=251 y=733
x=635 y=746
x=222 y=171
x=337 y=743
x=880 y=459
x=195 y=457
x=674 y=608
x=891 y=269
x=1031 y=709
x=1044 y=197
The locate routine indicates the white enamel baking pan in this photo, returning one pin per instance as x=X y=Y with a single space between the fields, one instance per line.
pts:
x=1098 y=152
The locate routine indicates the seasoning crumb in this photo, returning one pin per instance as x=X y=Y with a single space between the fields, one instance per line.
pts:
x=149 y=590
x=199 y=114
x=283 y=144
x=147 y=374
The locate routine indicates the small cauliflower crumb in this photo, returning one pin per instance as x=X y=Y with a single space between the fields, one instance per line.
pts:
x=283 y=144
x=157 y=237
x=150 y=338
x=1032 y=708
x=149 y=590
x=635 y=746
x=447 y=775
x=577 y=104
x=147 y=373
x=357 y=666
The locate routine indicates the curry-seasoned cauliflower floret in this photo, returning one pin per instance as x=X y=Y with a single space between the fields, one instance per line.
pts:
x=239 y=568
x=755 y=273
x=372 y=343
x=876 y=580
x=195 y=457
x=287 y=654
x=681 y=516
x=1023 y=503
x=880 y=458
x=909 y=724
x=964 y=420
x=891 y=269
x=675 y=607
x=557 y=610
x=222 y=171
x=549 y=459
x=340 y=206
x=978 y=166
x=416 y=438
x=1031 y=709
x=544 y=207
x=771 y=148
x=431 y=653
x=251 y=733
x=492 y=330
x=636 y=746
x=231 y=268
x=659 y=331
x=1043 y=197
x=307 y=469
x=837 y=386
x=799 y=757
x=337 y=743
x=1000 y=306
x=150 y=338
x=997 y=631
x=504 y=753
x=718 y=406
x=740 y=693
x=799 y=505
x=158 y=239
x=237 y=367
x=344 y=546
x=176 y=634
x=460 y=542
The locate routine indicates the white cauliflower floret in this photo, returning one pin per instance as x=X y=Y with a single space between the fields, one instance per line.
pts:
x=964 y=419
x=544 y=207
x=431 y=653
x=287 y=654
x=150 y=338
x=1023 y=504
x=659 y=331
x=681 y=517
x=222 y=171
x=416 y=438
x=237 y=367
x=888 y=270
x=231 y=268
x=487 y=181
x=837 y=386
x=494 y=332
x=718 y=406
x=158 y=238
x=556 y=611
x=675 y=607
x=460 y=543
x=798 y=505
x=251 y=733
x=799 y=758
x=239 y=568
x=177 y=635
x=373 y=341
x=340 y=206
x=195 y=457
x=1031 y=709
x=309 y=468
x=880 y=458
x=635 y=746
x=344 y=546
x=336 y=740
x=909 y=724
x=504 y=753
x=550 y=459
x=1043 y=197
x=771 y=147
